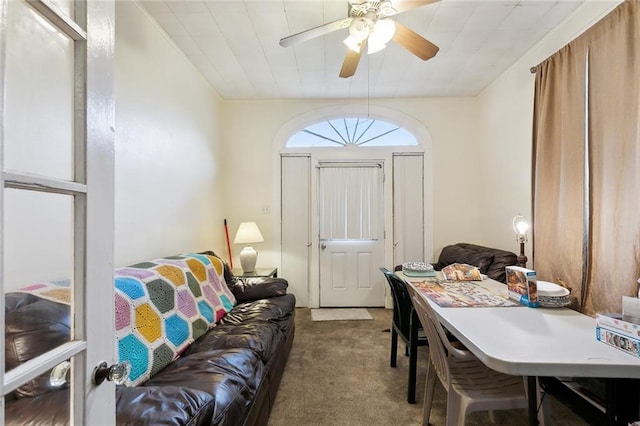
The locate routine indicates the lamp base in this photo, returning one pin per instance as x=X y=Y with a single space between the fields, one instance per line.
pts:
x=522 y=259
x=248 y=258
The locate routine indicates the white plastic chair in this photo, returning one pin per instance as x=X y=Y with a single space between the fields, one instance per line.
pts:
x=470 y=385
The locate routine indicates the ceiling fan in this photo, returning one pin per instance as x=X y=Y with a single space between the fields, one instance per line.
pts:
x=370 y=27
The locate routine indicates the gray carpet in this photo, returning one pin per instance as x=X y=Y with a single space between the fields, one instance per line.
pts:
x=338 y=373
x=340 y=314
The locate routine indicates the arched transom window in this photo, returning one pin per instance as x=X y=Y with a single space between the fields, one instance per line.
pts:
x=352 y=131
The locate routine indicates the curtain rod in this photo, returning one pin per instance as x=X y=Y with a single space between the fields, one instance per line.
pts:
x=533 y=70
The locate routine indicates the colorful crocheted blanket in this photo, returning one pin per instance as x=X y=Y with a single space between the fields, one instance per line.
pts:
x=161 y=307
x=56 y=291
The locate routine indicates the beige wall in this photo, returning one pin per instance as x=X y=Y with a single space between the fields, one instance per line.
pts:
x=185 y=160
x=481 y=151
x=506 y=114
x=252 y=173
x=171 y=128
x=168 y=148
x=168 y=155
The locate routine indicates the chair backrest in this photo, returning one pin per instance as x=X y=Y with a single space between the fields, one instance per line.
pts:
x=438 y=341
x=402 y=306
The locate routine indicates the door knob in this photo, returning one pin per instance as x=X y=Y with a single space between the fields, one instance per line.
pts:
x=116 y=373
x=323 y=246
x=59 y=374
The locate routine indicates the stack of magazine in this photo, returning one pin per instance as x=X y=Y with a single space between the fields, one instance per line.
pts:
x=461 y=272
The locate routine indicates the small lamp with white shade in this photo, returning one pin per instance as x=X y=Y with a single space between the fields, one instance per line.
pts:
x=248 y=233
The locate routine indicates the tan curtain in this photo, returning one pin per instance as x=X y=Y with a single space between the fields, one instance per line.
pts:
x=558 y=168
x=587 y=182
x=614 y=146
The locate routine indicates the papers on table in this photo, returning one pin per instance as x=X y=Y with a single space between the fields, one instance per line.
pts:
x=462 y=294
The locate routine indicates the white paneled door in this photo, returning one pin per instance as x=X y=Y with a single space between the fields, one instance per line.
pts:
x=56 y=199
x=408 y=208
x=351 y=234
x=296 y=230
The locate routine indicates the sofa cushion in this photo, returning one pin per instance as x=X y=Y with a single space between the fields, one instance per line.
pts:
x=480 y=259
x=231 y=376
x=137 y=406
x=263 y=288
x=260 y=336
x=50 y=409
x=31 y=330
x=277 y=310
x=490 y=261
x=501 y=259
x=163 y=306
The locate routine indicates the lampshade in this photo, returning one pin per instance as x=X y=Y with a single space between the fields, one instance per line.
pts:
x=358 y=32
x=352 y=43
x=382 y=33
x=520 y=227
x=248 y=233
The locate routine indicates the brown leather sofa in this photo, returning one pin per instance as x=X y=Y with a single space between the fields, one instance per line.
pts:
x=490 y=261
x=228 y=376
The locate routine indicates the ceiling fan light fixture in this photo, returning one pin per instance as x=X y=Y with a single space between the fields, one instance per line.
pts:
x=352 y=43
x=375 y=47
x=382 y=33
x=386 y=8
x=359 y=29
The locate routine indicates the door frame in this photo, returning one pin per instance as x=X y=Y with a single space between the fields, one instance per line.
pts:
x=297 y=122
x=92 y=334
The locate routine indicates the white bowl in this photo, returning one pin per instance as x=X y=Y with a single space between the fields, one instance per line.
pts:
x=545 y=288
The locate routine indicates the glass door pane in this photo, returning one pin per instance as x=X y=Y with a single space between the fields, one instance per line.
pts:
x=38 y=279
x=39 y=112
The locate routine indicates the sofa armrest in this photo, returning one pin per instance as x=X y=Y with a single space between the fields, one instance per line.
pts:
x=154 y=405
x=255 y=289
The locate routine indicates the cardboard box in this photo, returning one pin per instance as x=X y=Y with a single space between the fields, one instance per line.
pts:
x=522 y=285
x=618 y=333
x=615 y=323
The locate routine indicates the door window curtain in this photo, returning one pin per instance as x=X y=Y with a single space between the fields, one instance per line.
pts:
x=348 y=202
x=586 y=163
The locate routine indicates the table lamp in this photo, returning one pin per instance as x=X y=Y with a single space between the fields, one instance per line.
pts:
x=248 y=233
x=520 y=226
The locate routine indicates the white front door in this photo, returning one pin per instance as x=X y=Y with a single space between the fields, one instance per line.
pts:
x=351 y=233
x=56 y=194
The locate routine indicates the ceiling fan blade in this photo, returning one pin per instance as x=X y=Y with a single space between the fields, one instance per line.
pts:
x=404 y=5
x=351 y=60
x=414 y=42
x=315 y=32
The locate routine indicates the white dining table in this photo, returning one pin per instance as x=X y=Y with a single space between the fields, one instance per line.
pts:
x=534 y=342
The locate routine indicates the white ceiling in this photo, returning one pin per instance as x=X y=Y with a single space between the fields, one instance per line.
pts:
x=234 y=44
